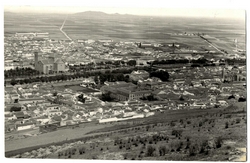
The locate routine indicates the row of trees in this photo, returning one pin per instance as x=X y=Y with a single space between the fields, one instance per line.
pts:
x=111 y=77
x=115 y=75
x=20 y=72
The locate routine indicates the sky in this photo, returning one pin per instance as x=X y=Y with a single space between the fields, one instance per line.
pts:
x=140 y=7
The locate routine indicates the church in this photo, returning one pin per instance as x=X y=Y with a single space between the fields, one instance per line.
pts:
x=50 y=65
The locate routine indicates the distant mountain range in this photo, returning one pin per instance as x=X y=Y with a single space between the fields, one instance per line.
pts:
x=102 y=15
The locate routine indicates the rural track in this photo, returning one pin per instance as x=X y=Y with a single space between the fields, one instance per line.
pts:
x=214 y=46
x=61 y=29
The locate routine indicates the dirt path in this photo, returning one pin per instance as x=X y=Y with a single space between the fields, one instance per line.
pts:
x=56 y=136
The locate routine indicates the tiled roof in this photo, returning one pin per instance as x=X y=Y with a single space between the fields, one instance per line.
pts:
x=45 y=61
x=59 y=61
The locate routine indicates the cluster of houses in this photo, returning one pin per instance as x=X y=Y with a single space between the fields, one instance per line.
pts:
x=40 y=106
x=29 y=111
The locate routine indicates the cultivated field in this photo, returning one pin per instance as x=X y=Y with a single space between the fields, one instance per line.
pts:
x=132 y=28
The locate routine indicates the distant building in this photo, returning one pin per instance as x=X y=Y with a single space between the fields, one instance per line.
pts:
x=49 y=65
x=125 y=91
x=233 y=74
x=105 y=40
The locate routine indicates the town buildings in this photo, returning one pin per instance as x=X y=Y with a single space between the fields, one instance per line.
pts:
x=49 y=65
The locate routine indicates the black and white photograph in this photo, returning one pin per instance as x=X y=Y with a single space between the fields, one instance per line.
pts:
x=123 y=82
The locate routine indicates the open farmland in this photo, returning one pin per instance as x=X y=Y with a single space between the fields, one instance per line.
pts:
x=132 y=28
x=14 y=23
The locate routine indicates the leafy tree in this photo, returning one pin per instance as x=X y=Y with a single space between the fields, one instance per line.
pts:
x=15 y=109
x=55 y=94
x=13 y=82
x=81 y=98
x=241 y=99
x=181 y=98
x=107 y=97
x=163 y=75
x=230 y=97
x=131 y=62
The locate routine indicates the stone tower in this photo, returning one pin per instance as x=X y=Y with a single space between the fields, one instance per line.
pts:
x=36 y=59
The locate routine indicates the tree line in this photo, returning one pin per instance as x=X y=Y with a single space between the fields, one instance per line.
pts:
x=20 y=72
x=115 y=75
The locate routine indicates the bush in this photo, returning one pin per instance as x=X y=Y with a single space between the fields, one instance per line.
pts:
x=177 y=133
x=241 y=99
x=176 y=146
x=226 y=125
x=188 y=145
x=172 y=124
x=162 y=150
x=81 y=150
x=204 y=146
x=238 y=120
x=192 y=150
x=150 y=151
x=218 y=142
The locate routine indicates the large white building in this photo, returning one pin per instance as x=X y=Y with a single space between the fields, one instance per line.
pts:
x=49 y=65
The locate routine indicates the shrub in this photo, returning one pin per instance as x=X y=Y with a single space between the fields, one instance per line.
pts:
x=172 y=124
x=162 y=150
x=81 y=150
x=177 y=133
x=179 y=145
x=192 y=150
x=150 y=151
x=200 y=124
x=188 y=145
x=238 y=120
x=188 y=122
x=73 y=151
x=204 y=147
x=176 y=146
x=218 y=142
x=226 y=125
